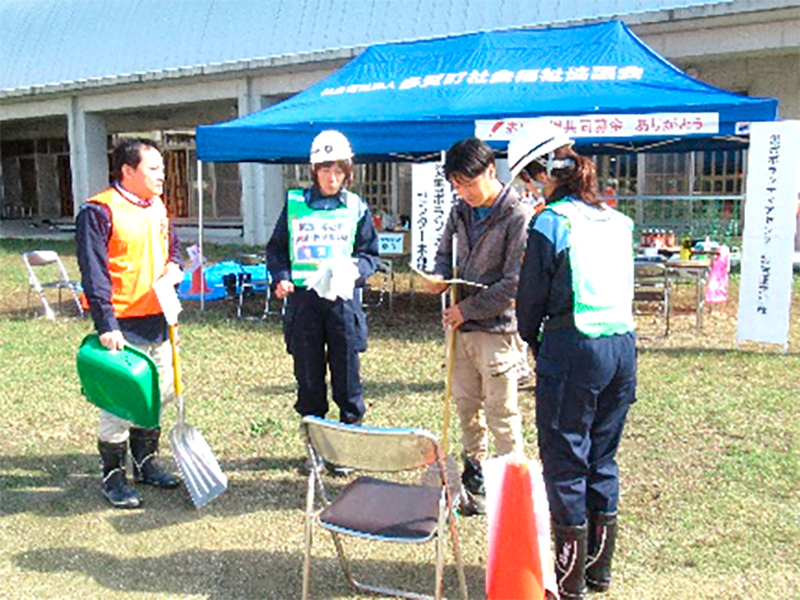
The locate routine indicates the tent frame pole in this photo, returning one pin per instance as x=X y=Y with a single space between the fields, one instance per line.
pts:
x=200 y=231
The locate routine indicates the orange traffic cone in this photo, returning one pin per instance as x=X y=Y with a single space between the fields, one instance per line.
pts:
x=514 y=566
x=199 y=279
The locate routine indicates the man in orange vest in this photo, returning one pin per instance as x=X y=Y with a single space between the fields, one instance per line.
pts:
x=124 y=244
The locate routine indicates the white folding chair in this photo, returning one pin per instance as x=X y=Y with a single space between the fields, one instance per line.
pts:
x=380 y=509
x=50 y=267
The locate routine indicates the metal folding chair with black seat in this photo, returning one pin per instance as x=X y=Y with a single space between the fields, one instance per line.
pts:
x=652 y=288
x=249 y=285
x=379 y=286
x=386 y=509
x=54 y=273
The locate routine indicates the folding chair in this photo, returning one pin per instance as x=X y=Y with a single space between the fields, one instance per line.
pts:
x=50 y=258
x=381 y=283
x=652 y=288
x=382 y=509
x=249 y=287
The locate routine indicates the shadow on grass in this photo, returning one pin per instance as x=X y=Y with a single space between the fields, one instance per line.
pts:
x=683 y=352
x=69 y=484
x=373 y=389
x=412 y=320
x=224 y=574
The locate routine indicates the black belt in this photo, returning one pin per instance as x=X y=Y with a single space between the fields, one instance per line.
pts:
x=560 y=322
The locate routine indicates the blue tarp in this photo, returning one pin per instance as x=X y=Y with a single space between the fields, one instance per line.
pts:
x=413 y=99
x=215 y=284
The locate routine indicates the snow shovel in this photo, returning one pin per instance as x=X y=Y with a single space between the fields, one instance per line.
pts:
x=198 y=467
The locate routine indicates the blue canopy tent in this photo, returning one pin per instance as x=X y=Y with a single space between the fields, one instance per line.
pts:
x=411 y=100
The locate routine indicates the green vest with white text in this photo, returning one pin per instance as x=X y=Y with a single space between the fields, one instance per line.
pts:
x=319 y=235
x=601 y=258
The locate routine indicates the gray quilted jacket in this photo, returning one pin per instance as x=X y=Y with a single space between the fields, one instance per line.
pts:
x=489 y=252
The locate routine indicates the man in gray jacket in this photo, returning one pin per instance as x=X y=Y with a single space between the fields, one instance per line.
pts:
x=489 y=226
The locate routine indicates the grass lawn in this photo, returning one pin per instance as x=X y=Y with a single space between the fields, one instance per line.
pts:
x=710 y=461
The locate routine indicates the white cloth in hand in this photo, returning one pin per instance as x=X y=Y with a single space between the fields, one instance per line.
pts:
x=335 y=278
x=168 y=298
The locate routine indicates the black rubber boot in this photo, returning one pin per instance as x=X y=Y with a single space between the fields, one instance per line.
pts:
x=115 y=485
x=570 y=561
x=144 y=449
x=602 y=538
x=473 y=501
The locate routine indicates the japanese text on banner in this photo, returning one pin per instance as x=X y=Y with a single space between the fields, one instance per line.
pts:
x=773 y=182
x=432 y=198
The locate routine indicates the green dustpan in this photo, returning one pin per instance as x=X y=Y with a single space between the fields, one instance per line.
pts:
x=124 y=382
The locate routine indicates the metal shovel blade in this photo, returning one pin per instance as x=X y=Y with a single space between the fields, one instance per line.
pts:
x=198 y=467
x=196 y=463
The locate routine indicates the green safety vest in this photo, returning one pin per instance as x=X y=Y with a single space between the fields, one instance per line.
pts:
x=601 y=258
x=319 y=235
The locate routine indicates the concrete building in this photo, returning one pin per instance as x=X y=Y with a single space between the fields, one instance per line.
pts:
x=76 y=74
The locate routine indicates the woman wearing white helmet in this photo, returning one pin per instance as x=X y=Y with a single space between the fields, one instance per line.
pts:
x=324 y=227
x=574 y=307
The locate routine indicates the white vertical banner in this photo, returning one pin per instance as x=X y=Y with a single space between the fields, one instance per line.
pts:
x=431 y=200
x=773 y=181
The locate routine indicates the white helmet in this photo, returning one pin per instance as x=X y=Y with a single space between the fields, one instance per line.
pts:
x=329 y=146
x=537 y=142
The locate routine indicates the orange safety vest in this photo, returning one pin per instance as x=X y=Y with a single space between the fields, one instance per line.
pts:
x=138 y=252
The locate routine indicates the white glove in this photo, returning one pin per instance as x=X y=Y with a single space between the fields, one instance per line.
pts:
x=335 y=278
x=172 y=273
x=168 y=297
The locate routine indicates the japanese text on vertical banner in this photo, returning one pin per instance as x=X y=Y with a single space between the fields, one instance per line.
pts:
x=765 y=260
x=432 y=197
x=773 y=179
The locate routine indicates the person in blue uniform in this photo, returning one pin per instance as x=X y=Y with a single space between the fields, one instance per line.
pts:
x=325 y=226
x=574 y=308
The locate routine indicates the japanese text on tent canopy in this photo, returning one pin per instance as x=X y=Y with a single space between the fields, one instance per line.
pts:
x=558 y=74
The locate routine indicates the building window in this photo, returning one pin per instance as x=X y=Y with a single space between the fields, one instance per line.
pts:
x=176 y=182
x=617 y=174
x=692 y=193
x=36 y=179
x=222 y=188
x=719 y=172
x=296 y=176
x=374 y=182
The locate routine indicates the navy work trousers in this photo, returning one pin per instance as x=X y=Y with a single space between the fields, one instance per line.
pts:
x=584 y=387
x=320 y=335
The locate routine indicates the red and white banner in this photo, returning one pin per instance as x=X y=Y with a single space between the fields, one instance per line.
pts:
x=606 y=126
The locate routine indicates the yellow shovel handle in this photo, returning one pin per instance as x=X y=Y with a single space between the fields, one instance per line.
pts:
x=448 y=387
x=176 y=359
x=449 y=356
